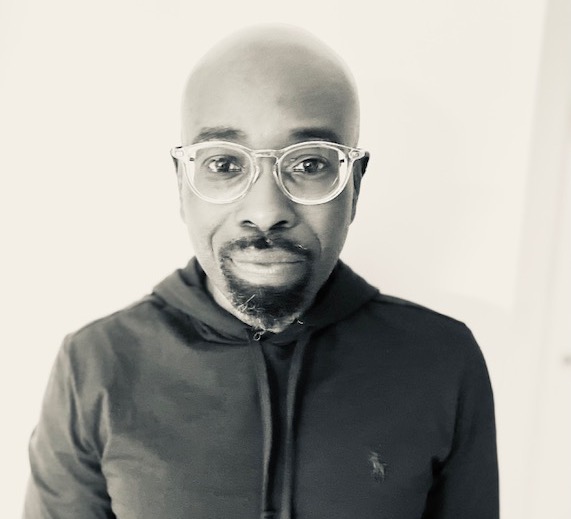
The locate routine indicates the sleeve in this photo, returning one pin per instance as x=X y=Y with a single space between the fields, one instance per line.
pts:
x=466 y=483
x=66 y=480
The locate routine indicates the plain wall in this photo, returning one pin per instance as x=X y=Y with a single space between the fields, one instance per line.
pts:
x=464 y=207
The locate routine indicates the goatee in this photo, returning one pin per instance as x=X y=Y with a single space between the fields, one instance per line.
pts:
x=268 y=307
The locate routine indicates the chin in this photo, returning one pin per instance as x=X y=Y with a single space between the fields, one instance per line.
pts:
x=270 y=307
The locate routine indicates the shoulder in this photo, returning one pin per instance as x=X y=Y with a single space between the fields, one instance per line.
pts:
x=403 y=311
x=396 y=311
x=131 y=319
x=97 y=349
x=418 y=331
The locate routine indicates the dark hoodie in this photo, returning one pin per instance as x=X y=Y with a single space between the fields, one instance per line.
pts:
x=366 y=407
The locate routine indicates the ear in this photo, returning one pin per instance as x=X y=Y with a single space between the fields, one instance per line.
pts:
x=359 y=168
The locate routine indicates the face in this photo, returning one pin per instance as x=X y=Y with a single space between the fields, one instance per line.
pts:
x=264 y=255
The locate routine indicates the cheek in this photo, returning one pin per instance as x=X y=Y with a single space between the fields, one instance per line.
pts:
x=330 y=223
x=202 y=221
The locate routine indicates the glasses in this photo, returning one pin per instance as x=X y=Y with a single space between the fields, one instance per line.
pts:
x=309 y=173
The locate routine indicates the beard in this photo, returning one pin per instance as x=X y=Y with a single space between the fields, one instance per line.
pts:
x=267 y=307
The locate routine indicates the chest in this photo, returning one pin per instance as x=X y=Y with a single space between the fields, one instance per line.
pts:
x=190 y=442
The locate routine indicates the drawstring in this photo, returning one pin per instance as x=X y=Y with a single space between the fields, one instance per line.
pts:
x=292 y=385
x=265 y=401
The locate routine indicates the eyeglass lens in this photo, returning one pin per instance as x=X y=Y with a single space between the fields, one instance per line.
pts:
x=224 y=172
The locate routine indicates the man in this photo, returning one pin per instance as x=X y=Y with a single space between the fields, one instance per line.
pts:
x=266 y=379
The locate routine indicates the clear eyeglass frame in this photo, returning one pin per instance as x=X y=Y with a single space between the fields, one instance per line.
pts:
x=183 y=156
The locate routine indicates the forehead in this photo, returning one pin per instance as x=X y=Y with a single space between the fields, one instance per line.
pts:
x=269 y=101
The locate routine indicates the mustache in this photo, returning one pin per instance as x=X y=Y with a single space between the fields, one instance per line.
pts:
x=262 y=242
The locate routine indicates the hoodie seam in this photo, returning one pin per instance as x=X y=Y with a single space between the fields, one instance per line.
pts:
x=102 y=320
x=383 y=299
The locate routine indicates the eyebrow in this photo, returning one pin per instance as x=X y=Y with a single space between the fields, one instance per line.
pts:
x=227 y=133
x=321 y=134
x=223 y=133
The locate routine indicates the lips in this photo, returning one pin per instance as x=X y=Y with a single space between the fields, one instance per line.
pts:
x=265 y=260
x=266 y=256
x=273 y=267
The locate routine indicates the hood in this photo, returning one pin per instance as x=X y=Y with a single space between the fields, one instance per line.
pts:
x=185 y=289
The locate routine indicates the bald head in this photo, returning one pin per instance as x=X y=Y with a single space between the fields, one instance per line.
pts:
x=270 y=86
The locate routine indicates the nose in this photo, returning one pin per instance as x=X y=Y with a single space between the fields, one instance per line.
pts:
x=265 y=207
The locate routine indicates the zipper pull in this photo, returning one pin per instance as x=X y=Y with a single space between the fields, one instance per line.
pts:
x=258 y=334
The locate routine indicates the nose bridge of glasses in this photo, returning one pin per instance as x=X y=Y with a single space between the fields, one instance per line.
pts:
x=257 y=155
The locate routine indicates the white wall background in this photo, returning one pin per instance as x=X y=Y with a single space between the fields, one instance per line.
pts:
x=465 y=207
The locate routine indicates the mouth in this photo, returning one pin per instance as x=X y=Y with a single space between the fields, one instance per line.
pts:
x=273 y=266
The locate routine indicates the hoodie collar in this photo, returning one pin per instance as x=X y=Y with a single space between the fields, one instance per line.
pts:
x=185 y=289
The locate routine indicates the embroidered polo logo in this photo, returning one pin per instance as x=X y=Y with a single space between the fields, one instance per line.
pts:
x=379 y=467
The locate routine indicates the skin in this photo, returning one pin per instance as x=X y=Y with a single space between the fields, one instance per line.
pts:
x=269 y=87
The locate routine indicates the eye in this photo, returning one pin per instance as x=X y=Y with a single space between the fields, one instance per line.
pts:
x=224 y=164
x=310 y=165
